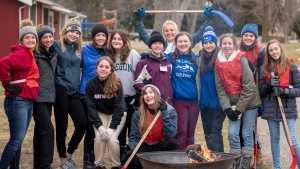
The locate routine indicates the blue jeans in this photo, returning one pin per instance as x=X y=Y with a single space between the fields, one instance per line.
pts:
x=274 y=126
x=247 y=131
x=212 y=121
x=19 y=113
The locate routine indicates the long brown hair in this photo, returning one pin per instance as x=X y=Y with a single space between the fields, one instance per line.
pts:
x=63 y=36
x=125 y=49
x=176 y=51
x=143 y=123
x=112 y=83
x=270 y=62
x=212 y=58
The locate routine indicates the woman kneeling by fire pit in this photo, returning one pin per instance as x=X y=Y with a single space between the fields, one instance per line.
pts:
x=161 y=136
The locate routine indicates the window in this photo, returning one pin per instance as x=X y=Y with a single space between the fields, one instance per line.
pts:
x=32 y=13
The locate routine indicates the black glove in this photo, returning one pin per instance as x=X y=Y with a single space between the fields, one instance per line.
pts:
x=139 y=13
x=274 y=81
x=13 y=89
x=126 y=154
x=162 y=105
x=232 y=115
x=280 y=91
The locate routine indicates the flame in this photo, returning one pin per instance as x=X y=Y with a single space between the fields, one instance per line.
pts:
x=206 y=154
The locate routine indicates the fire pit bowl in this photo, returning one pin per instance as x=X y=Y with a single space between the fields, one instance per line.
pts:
x=180 y=160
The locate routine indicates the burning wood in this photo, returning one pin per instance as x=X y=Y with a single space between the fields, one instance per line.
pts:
x=199 y=153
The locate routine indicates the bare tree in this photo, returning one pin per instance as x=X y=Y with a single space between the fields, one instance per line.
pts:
x=169 y=5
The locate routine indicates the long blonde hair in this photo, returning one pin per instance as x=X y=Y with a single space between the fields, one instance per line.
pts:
x=63 y=36
x=143 y=122
x=112 y=82
x=270 y=62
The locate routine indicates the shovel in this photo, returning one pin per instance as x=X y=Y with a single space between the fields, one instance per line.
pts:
x=292 y=148
x=141 y=141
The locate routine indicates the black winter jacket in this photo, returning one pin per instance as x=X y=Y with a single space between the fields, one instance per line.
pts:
x=271 y=108
x=46 y=62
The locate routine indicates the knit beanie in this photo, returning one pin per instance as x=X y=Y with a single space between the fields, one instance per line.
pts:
x=150 y=85
x=73 y=27
x=43 y=30
x=156 y=37
x=99 y=28
x=252 y=28
x=25 y=28
x=209 y=35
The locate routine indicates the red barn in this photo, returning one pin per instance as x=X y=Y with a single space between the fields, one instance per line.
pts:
x=39 y=11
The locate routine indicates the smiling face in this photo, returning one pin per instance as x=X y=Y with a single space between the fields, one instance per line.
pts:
x=72 y=36
x=227 y=46
x=100 y=40
x=183 y=44
x=104 y=69
x=248 y=38
x=157 y=48
x=117 y=42
x=149 y=97
x=47 y=40
x=209 y=46
x=29 y=41
x=169 y=32
x=274 y=51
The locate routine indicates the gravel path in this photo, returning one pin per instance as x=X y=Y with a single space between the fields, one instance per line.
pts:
x=285 y=153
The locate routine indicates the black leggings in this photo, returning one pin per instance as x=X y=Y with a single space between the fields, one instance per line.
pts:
x=63 y=105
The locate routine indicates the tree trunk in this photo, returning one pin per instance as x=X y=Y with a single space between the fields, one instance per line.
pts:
x=265 y=23
x=169 y=5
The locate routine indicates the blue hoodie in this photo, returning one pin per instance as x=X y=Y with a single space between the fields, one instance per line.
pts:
x=183 y=78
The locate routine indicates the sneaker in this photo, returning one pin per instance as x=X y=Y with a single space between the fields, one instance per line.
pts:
x=88 y=161
x=70 y=164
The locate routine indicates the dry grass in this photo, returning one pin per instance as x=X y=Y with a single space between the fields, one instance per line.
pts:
x=27 y=150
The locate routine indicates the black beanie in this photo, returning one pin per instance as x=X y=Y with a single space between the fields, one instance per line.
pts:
x=156 y=37
x=99 y=28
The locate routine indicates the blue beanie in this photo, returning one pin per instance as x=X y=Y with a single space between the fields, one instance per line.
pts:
x=252 y=28
x=209 y=35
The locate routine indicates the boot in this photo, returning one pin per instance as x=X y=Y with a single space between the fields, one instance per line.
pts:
x=259 y=160
x=237 y=164
x=88 y=161
x=246 y=162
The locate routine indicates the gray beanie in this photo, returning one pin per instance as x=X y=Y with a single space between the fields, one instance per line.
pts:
x=28 y=29
x=151 y=85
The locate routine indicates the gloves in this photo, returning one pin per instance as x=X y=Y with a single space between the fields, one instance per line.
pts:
x=232 y=115
x=103 y=134
x=280 y=91
x=13 y=89
x=126 y=154
x=162 y=105
x=109 y=132
x=274 y=81
x=207 y=12
x=140 y=13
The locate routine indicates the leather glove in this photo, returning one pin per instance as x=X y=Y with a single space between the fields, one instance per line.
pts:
x=13 y=89
x=109 y=132
x=274 y=81
x=140 y=13
x=280 y=91
x=208 y=14
x=232 y=115
x=162 y=105
x=103 y=135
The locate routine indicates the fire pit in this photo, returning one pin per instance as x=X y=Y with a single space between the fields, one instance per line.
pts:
x=180 y=160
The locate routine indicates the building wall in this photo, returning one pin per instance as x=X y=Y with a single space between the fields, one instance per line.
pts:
x=9 y=32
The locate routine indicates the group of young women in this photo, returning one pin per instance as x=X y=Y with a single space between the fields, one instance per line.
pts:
x=96 y=85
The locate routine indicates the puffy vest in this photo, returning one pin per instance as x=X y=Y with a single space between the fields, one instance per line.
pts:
x=230 y=74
